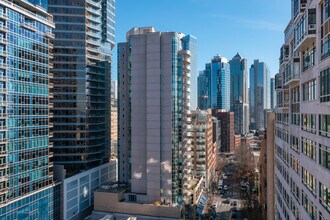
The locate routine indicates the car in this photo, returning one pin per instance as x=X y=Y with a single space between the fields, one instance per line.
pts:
x=233 y=203
x=214 y=206
x=225 y=187
x=227 y=201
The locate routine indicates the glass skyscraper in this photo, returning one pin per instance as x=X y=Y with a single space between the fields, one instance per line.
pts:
x=239 y=97
x=216 y=81
x=26 y=176
x=259 y=94
x=84 y=38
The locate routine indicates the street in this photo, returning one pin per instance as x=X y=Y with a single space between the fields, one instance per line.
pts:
x=229 y=193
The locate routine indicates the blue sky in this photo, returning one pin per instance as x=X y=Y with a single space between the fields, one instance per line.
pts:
x=254 y=28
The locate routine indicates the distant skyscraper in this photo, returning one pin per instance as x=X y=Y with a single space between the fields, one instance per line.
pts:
x=154 y=101
x=239 y=93
x=259 y=94
x=216 y=81
x=193 y=71
x=272 y=93
x=26 y=170
x=202 y=91
x=84 y=38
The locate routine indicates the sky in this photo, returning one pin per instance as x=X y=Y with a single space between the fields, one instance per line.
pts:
x=254 y=28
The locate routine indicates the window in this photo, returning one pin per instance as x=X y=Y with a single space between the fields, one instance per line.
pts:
x=308 y=147
x=325 y=85
x=325 y=47
x=308 y=122
x=325 y=125
x=309 y=58
x=294 y=143
x=309 y=180
x=325 y=11
x=324 y=156
x=309 y=90
x=324 y=196
x=310 y=209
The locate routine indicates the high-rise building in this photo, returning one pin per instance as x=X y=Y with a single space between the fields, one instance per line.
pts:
x=272 y=94
x=202 y=91
x=239 y=98
x=259 y=94
x=227 y=134
x=114 y=116
x=302 y=120
x=215 y=80
x=26 y=170
x=84 y=38
x=154 y=101
x=204 y=157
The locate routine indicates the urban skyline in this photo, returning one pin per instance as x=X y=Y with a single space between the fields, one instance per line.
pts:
x=95 y=127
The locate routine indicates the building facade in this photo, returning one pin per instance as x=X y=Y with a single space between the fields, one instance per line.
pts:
x=226 y=122
x=114 y=117
x=259 y=94
x=272 y=94
x=84 y=38
x=154 y=102
x=26 y=175
x=214 y=85
x=302 y=125
x=239 y=97
x=204 y=156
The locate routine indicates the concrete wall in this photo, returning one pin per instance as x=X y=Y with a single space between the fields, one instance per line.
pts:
x=110 y=202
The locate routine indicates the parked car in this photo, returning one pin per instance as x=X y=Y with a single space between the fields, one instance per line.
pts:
x=233 y=203
x=225 y=187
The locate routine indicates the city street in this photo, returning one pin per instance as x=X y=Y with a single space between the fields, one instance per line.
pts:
x=224 y=199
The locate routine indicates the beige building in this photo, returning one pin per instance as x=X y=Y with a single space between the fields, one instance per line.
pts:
x=114 y=117
x=266 y=171
x=302 y=121
x=204 y=157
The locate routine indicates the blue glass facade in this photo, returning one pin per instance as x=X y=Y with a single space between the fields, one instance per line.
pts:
x=259 y=94
x=216 y=81
x=84 y=38
x=26 y=175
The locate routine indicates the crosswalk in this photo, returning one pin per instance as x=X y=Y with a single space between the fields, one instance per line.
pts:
x=228 y=193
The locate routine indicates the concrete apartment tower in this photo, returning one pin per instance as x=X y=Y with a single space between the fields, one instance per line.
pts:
x=26 y=168
x=154 y=115
x=302 y=126
x=239 y=94
x=204 y=146
x=259 y=94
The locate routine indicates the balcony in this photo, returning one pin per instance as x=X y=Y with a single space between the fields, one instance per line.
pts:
x=278 y=81
x=94 y=19
x=93 y=42
x=93 y=11
x=305 y=32
x=186 y=90
x=292 y=73
x=30 y=26
x=186 y=60
x=50 y=35
x=4 y=28
x=186 y=68
x=3 y=53
x=186 y=75
x=186 y=82
x=93 y=34
x=95 y=4
x=3 y=41
x=284 y=54
x=93 y=26
x=3 y=153
x=186 y=53
x=3 y=16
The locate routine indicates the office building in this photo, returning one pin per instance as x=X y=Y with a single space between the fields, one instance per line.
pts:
x=202 y=92
x=84 y=37
x=154 y=116
x=239 y=98
x=302 y=125
x=226 y=122
x=272 y=94
x=214 y=85
x=259 y=94
x=204 y=149
x=26 y=169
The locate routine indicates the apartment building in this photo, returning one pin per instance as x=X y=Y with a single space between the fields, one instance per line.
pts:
x=302 y=126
